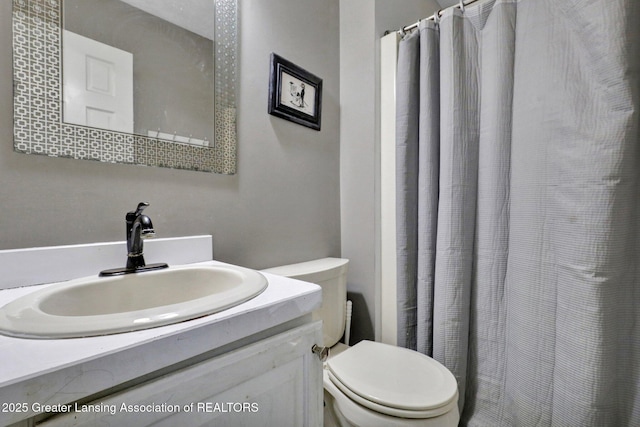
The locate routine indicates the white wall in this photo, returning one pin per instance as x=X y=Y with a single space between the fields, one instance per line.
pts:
x=362 y=23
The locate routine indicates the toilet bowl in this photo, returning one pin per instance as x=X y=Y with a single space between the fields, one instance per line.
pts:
x=373 y=384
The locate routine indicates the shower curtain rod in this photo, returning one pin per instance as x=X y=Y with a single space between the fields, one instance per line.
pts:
x=460 y=6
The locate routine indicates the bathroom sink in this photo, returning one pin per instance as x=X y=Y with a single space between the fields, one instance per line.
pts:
x=106 y=305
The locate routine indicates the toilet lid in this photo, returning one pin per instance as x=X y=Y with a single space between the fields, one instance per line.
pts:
x=393 y=377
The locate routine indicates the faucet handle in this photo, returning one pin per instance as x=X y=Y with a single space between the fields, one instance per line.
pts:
x=139 y=209
x=134 y=214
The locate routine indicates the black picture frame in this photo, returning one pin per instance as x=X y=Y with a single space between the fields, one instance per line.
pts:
x=294 y=93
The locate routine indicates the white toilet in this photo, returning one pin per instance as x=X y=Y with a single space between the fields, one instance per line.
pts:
x=373 y=384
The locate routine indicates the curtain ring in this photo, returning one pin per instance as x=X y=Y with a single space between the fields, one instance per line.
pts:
x=461 y=5
x=436 y=17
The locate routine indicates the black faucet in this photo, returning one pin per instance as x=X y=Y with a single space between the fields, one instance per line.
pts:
x=139 y=227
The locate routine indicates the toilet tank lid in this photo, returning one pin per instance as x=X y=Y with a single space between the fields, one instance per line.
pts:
x=320 y=269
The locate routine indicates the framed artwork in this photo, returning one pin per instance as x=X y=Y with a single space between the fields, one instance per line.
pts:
x=294 y=93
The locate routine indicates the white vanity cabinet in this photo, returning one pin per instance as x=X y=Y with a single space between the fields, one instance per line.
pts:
x=248 y=365
x=274 y=382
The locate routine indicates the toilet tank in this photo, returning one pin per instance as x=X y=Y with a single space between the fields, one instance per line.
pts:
x=331 y=275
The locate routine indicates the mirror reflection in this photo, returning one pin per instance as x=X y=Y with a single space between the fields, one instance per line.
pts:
x=193 y=124
x=128 y=69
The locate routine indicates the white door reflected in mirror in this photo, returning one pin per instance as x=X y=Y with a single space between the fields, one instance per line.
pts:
x=98 y=84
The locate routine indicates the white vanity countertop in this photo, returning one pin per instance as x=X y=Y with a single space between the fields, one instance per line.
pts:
x=58 y=371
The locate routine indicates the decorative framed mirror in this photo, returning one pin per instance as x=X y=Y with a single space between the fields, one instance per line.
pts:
x=43 y=122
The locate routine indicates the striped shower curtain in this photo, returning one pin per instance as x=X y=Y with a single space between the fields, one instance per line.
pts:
x=518 y=208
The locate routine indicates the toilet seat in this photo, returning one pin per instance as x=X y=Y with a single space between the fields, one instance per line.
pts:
x=393 y=380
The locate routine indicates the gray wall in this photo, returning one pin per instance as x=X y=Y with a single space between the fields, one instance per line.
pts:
x=362 y=23
x=283 y=205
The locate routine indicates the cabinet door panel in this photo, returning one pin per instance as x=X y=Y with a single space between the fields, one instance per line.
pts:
x=276 y=381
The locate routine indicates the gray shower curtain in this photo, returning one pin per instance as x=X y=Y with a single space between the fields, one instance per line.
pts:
x=518 y=208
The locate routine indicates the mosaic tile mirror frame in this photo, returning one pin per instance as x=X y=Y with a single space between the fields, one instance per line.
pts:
x=38 y=124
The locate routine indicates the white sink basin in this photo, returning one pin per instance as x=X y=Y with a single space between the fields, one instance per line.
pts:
x=108 y=305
